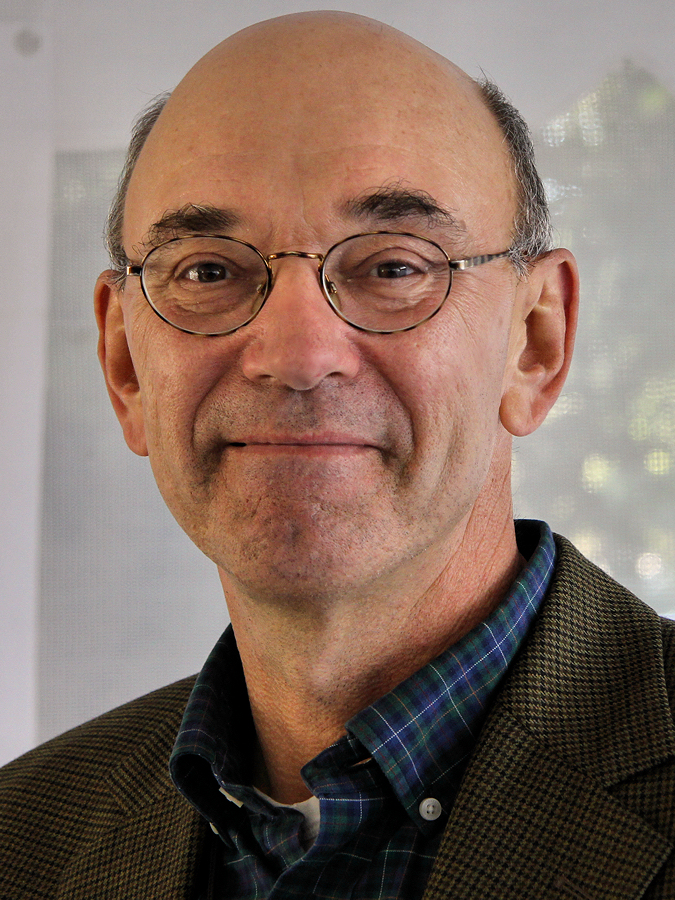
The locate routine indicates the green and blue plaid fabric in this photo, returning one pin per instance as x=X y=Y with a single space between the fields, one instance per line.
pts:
x=377 y=838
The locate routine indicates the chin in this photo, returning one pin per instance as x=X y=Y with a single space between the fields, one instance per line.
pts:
x=302 y=572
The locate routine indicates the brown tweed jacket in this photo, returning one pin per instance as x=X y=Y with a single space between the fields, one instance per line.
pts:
x=570 y=794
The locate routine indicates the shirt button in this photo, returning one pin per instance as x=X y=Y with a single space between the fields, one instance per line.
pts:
x=430 y=809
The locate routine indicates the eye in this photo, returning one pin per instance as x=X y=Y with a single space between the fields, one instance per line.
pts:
x=207 y=272
x=393 y=269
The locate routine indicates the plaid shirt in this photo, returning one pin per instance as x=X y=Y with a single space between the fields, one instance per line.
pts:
x=385 y=789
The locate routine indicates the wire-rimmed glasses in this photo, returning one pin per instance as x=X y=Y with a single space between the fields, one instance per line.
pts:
x=381 y=282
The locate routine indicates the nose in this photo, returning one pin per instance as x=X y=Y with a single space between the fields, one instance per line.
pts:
x=297 y=340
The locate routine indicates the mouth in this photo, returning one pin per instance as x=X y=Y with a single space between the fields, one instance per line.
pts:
x=323 y=444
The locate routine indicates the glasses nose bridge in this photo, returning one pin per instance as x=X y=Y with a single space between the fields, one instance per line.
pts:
x=298 y=254
x=301 y=254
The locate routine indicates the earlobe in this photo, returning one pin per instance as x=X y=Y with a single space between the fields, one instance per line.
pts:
x=545 y=317
x=116 y=362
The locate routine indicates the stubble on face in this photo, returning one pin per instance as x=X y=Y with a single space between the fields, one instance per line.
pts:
x=294 y=515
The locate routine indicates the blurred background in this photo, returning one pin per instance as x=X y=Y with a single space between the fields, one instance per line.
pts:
x=101 y=596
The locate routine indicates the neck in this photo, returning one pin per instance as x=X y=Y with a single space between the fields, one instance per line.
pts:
x=309 y=669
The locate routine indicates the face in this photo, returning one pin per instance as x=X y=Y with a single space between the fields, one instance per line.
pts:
x=301 y=455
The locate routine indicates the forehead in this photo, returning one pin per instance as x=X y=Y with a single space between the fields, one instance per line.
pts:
x=289 y=144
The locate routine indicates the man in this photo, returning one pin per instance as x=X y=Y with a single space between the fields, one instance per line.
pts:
x=333 y=304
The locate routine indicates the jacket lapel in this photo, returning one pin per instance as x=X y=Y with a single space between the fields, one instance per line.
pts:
x=156 y=853
x=584 y=708
x=145 y=839
x=529 y=825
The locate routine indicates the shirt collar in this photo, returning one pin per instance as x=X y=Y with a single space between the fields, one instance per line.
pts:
x=420 y=734
x=217 y=734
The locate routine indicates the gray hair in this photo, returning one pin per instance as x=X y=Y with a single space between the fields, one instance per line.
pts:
x=532 y=225
x=143 y=125
x=531 y=228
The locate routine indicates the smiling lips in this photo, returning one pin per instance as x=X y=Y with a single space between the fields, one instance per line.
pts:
x=304 y=444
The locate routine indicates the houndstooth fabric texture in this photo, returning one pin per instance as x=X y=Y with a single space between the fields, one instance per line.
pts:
x=569 y=794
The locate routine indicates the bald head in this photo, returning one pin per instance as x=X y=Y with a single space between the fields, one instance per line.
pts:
x=327 y=42
x=316 y=80
x=324 y=65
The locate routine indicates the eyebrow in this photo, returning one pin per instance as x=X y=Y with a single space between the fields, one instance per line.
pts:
x=191 y=219
x=393 y=203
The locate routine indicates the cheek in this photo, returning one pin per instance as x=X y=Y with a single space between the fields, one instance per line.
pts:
x=456 y=366
x=174 y=373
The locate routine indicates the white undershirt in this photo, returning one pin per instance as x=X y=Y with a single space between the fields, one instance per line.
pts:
x=311 y=810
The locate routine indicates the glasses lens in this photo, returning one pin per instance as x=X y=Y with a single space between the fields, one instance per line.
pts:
x=386 y=282
x=205 y=285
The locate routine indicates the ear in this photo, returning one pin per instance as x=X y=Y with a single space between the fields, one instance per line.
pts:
x=542 y=340
x=116 y=362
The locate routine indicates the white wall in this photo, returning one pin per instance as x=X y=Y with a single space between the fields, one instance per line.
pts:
x=26 y=160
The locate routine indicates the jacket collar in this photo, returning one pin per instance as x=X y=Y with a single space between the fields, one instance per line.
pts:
x=584 y=709
x=146 y=840
x=592 y=683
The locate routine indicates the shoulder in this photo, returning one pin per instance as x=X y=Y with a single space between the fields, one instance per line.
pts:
x=602 y=614
x=66 y=793
x=105 y=741
x=603 y=609
x=596 y=678
x=576 y=760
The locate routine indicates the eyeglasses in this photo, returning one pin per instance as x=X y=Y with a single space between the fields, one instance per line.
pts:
x=381 y=282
